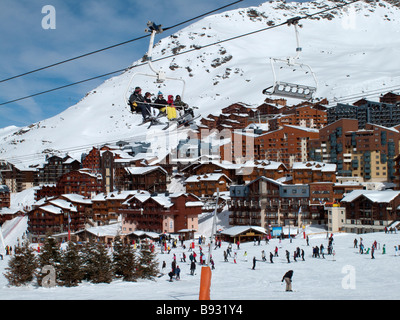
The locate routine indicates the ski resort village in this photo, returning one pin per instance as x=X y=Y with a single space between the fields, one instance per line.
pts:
x=206 y=170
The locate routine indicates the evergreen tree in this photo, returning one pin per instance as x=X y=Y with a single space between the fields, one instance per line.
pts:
x=101 y=267
x=88 y=257
x=124 y=260
x=22 y=266
x=50 y=255
x=118 y=257
x=148 y=265
x=71 y=272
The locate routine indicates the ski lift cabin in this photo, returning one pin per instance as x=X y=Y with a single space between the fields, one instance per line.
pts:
x=292 y=68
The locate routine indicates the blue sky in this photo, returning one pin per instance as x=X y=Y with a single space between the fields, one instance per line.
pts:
x=80 y=27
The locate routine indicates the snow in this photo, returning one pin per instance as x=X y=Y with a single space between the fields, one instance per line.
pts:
x=347 y=275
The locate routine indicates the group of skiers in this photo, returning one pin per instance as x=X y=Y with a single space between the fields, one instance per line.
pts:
x=151 y=108
x=363 y=250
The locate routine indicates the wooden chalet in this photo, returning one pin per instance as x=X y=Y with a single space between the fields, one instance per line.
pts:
x=52 y=216
x=4 y=196
x=160 y=212
x=370 y=210
x=151 y=178
x=206 y=185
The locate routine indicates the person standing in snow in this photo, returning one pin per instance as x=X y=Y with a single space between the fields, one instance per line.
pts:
x=372 y=252
x=302 y=254
x=192 y=268
x=271 y=256
x=178 y=273
x=288 y=279
x=254 y=263
x=288 y=256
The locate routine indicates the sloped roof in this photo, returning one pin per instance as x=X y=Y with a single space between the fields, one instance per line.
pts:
x=234 y=231
x=384 y=196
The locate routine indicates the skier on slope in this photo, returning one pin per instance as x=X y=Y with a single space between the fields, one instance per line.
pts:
x=288 y=279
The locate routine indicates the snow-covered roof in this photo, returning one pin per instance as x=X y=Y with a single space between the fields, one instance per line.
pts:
x=384 y=196
x=52 y=209
x=107 y=230
x=315 y=166
x=63 y=204
x=143 y=170
x=206 y=177
x=77 y=198
x=194 y=204
x=234 y=231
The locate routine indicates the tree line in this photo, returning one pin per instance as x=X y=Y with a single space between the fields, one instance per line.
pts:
x=77 y=263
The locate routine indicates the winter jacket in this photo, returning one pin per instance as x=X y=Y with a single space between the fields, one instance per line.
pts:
x=288 y=274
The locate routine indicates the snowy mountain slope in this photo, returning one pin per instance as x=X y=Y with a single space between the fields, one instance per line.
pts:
x=351 y=50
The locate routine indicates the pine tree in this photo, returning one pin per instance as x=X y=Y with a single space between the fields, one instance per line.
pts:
x=22 y=266
x=118 y=257
x=124 y=261
x=50 y=255
x=148 y=265
x=71 y=272
x=88 y=257
x=100 y=266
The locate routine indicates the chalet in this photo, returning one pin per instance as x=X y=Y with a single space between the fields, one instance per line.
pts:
x=243 y=234
x=4 y=196
x=265 y=201
x=151 y=178
x=313 y=171
x=370 y=210
x=17 y=177
x=287 y=145
x=51 y=216
x=55 y=167
x=206 y=185
x=239 y=173
x=81 y=182
x=390 y=97
x=103 y=234
x=105 y=206
x=160 y=212
x=304 y=116
x=9 y=214
x=84 y=213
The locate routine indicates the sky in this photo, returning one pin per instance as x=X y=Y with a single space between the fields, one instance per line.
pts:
x=38 y=33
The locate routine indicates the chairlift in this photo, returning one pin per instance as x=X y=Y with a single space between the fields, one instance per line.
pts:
x=288 y=89
x=160 y=76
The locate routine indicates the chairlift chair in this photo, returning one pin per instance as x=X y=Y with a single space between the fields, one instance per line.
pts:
x=288 y=89
x=160 y=76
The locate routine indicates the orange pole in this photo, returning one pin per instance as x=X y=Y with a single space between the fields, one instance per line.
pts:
x=205 y=283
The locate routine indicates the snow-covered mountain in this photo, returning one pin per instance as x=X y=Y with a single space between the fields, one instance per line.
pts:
x=352 y=50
